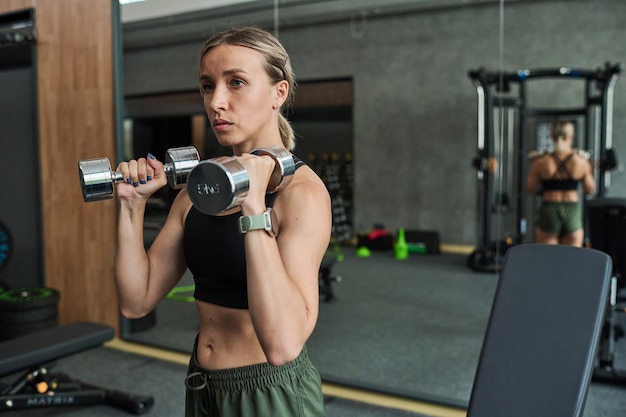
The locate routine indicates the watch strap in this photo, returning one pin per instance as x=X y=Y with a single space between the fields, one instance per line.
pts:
x=257 y=222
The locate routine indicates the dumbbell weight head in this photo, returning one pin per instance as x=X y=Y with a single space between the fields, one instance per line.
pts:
x=178 y=164
x=219 y=184
x=97 y=180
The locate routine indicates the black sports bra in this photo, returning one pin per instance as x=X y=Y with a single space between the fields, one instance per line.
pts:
x=566 y=183
x=215 y=255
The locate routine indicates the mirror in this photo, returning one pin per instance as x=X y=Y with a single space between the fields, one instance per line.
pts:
x=412 y=328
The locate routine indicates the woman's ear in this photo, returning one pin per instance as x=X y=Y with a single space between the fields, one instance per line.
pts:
x=281 y=92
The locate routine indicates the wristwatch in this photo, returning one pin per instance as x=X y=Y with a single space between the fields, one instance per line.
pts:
x=263 y=221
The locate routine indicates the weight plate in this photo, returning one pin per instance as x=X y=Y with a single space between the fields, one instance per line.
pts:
x=6 y=245
x=26 y=316
x=28 y=298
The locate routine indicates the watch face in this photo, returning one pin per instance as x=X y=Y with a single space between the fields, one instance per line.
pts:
x=5 y=245
x=273 y=222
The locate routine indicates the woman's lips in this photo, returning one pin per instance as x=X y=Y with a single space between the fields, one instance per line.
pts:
x=221 y=125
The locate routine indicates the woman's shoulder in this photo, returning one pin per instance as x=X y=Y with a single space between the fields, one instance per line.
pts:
x=305 y=186
x=309 y=178
x=306 y=198
x=542 y=160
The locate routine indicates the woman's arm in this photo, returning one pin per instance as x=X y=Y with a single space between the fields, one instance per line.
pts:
x=533 y=183
x=283 y=272
x=589 y=183
x=144 y=278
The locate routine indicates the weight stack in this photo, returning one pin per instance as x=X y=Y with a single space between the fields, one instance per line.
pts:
x=28 y=309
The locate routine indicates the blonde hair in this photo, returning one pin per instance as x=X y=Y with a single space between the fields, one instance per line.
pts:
x=561 y=132
x=278 y=66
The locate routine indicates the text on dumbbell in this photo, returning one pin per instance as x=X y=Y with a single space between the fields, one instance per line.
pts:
x=206 y=189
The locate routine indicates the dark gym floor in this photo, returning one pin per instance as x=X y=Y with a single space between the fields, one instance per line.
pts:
x=412 y=327
x=164 y=381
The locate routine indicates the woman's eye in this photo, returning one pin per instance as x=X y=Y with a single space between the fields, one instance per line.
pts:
x=237 y=83
x=207 y=88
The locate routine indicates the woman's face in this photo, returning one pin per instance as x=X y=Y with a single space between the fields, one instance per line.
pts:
x=241 y=102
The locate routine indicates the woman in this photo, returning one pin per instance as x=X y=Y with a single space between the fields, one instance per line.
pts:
x=256 y=292
x=557 y=176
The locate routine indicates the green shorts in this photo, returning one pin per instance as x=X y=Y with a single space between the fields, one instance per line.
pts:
x=291 y=390
x=559 y=218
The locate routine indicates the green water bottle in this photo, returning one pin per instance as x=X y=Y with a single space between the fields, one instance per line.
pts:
x=401 y=248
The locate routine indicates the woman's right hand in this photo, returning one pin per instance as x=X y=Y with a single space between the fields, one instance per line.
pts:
x=584 y=154
x=142 y=178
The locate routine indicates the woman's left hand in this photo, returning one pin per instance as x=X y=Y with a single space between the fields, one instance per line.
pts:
x=259 y=169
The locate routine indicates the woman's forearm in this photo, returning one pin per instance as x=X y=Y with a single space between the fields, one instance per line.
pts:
x=131 y=260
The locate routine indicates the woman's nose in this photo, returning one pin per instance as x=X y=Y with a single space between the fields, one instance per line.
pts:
x=217 y=100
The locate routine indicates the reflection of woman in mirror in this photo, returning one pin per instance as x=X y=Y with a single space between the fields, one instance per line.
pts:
x=557 y=175
x=256 y=291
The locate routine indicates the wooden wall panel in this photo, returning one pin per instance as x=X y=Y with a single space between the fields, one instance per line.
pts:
x=76 y=121
x=13 y=5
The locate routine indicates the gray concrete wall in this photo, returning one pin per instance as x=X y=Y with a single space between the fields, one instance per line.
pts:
x=415 y=112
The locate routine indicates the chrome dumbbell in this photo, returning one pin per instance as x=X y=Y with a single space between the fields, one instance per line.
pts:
x=218 y=184
x=97 y=180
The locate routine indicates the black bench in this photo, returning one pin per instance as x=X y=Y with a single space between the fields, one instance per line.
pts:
x=33 y=353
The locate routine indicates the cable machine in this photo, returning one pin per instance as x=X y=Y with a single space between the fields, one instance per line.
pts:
x=505 y=123
x=508 y=128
